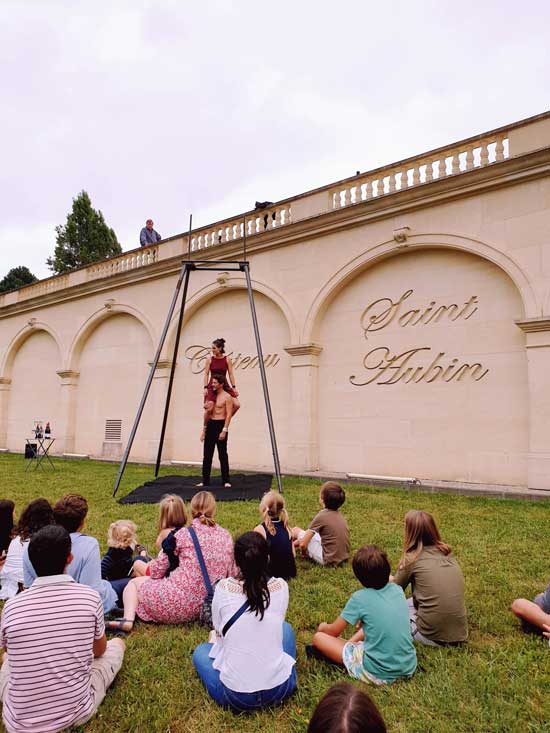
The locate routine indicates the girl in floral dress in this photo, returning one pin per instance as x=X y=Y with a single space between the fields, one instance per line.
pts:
x=178 y=598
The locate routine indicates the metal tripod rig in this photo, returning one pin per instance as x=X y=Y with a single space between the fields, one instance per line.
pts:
x=183 y=278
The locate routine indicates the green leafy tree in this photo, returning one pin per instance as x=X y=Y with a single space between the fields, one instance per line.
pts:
x=84 y=239
x=17 y=277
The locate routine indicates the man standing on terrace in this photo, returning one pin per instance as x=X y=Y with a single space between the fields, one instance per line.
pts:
x=148 y=235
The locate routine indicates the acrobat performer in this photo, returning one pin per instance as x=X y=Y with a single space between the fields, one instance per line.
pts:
x=220 y=363
x=217 y=429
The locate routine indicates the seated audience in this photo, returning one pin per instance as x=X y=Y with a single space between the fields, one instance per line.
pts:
x=437 y=610
x=172 y=517
x=382 y=651
x=178 y=598
x=275 y=530
x=70 y=512
x=534 y=615
x=251 y=663
x=346 y=709
x=327 y=538
x=58 y=664
x=34 y=516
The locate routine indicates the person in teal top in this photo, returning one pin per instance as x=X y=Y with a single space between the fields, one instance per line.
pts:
x=382 y=650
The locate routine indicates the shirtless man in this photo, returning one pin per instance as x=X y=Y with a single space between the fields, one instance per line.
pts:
x=216 y=431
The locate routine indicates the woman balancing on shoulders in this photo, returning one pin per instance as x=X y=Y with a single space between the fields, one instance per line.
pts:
x=218 y=362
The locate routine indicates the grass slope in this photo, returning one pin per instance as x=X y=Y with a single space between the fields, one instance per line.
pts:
x=498 y=682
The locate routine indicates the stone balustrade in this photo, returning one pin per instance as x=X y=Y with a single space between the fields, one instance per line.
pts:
x=438 y=164
x=272 y=217
x=123 y=263
x=43 y=287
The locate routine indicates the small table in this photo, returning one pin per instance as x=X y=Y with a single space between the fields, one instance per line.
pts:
x=39 y=453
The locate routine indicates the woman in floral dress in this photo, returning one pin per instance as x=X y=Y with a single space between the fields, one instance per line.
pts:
x=178 y=598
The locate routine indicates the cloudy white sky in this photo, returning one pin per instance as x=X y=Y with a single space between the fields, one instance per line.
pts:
x=160 y=108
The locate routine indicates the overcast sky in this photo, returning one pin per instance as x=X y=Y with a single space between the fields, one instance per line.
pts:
x=159 y=108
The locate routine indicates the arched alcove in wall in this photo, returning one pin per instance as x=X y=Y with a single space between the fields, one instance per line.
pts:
x=227 y=315
x=423 y=371
x=113 y=366
x=35 y=385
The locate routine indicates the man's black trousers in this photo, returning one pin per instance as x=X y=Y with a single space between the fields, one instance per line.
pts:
x=211 y=441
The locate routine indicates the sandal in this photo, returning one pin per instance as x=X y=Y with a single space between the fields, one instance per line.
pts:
x=117 y=625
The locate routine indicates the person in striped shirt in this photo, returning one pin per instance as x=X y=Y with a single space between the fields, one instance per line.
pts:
x=58 y=664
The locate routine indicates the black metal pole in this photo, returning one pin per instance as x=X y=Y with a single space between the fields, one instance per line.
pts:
x=188 y=268
x=149 y=379
x=246 y=269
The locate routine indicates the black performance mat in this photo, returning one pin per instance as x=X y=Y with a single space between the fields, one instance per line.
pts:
x=243 y=487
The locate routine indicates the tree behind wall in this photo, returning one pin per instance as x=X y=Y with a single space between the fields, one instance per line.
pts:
x=17 y=277
x=84 y=239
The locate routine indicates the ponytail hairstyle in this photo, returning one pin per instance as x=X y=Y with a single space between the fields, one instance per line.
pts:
x=420 y=532
x=172 y=512
x=220 y=343
x=272 y=506
x=203 y=507
x=252 y=556
x=6 y=523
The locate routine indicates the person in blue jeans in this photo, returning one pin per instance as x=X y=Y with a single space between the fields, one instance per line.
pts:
x=250 y=662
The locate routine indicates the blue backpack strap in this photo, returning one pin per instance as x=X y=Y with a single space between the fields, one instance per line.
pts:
x=200 y=558
x=236 y=616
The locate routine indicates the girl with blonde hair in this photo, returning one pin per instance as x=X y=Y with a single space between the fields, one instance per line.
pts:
x=437 y=611
x=172 y=517
x=203 y=508
x=276 y=531
x=122 y=541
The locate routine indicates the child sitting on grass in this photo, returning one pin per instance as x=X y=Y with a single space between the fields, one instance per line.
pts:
x=275 y=530
x=326 y=540
x=172 y=517
x=534 y=615
x=122 y=541
x=382 y=651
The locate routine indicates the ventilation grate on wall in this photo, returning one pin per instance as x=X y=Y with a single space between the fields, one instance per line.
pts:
x=113 y=431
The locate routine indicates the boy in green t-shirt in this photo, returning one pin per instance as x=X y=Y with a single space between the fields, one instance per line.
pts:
x=382 y=651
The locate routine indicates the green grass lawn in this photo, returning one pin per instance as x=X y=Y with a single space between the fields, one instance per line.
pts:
x=500 y=681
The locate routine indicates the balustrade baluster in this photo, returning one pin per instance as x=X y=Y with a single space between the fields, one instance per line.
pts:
x=380 y=187
x=442 y=167
x=368 y=190
x=484 y=155
x=416 y=175
x=455 y=162
x=392 y=182
x=429 y=171
x=358 y=193
x=469 y=158
x=277 y=219
x=499 y=150
x=347 y=196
